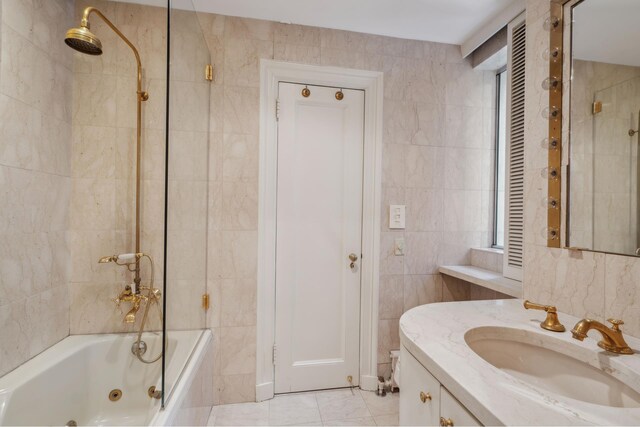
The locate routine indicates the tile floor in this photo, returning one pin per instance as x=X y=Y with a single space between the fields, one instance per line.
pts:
x=323 y=408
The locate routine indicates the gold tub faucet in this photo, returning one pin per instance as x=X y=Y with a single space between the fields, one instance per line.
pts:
x=551 y=323
x=127 y=295
x=612 y=339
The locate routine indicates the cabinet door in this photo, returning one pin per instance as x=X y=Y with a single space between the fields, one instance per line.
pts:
x=452 y=413
x=419 y=393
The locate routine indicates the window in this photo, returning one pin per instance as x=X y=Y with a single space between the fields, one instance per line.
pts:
x=501 y=147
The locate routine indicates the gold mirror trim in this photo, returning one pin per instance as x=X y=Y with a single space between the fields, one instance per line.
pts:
x=554 y=214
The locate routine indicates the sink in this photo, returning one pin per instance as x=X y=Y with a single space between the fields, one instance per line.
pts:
x=526 y=356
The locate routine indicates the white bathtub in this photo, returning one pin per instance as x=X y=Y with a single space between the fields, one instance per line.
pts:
x=72 y=381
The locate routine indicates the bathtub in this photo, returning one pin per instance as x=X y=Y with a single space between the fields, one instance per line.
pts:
x=72 y=381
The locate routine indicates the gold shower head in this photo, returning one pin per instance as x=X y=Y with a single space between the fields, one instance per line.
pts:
x=83 y=40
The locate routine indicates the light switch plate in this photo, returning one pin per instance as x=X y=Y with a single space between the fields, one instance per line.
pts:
x=396 y=216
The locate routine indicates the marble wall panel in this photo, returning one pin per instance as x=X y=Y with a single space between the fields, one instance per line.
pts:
x=35 y=178
x=435 y=108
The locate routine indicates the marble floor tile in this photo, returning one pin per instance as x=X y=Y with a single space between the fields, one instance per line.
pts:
x=241 y=414
x=294 y=409
x=341 y=405
x=212 y=416
x=378 y=405
x=365 y=421
x=387 y=420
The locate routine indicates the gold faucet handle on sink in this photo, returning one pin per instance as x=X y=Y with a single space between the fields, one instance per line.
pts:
x=551 y=323
x=615 y=324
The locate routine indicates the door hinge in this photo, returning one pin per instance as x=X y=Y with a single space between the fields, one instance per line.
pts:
x=205 y=302
x=208 y=72
x=596 y=107
x=274 y=354
x=277 y=109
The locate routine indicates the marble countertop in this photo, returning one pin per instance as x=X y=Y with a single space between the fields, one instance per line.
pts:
x=485 y=278
x=434 y=335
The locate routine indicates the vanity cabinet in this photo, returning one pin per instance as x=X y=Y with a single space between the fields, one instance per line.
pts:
x=452 y=413
x=419 y=393
x=424 y=401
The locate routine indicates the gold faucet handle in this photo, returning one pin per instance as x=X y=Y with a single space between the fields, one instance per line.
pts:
x=551 y=323
x=616 y=324
x=535 y=306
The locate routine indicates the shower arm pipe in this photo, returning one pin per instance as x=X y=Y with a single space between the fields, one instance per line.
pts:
x=141 y=96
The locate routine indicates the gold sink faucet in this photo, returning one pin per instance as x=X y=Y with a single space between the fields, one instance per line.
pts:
x=551 y=323
x=612 y=339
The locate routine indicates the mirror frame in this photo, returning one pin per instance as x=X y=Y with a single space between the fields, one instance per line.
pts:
x=560 y=71
x=556 y=71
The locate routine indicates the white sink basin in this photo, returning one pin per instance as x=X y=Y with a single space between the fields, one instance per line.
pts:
x=527 y=356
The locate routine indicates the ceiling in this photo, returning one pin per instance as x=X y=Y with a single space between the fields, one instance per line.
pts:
x=607 y=31
x=445 y=21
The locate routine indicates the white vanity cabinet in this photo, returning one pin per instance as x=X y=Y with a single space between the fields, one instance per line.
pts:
x=424 y=401
x=419 y=393
x=452 y=413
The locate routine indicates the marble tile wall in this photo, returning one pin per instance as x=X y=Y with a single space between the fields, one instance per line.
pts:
x=437 y=157
x=35 y=184
x=580 y=283
x=103 y=166
x=103 y=161
x=489 y=259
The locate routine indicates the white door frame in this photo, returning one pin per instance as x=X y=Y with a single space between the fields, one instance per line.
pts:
x=271 y=73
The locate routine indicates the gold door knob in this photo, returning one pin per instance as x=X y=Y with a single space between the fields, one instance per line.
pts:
x=353 y=258
x=425 y=396
x=446 y=422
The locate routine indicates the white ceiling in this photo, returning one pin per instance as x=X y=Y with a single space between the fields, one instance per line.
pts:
x=446 y=21
x=607 y=31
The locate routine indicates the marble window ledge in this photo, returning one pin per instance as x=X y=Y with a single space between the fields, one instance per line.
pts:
x=496 y=251
x=485 y=278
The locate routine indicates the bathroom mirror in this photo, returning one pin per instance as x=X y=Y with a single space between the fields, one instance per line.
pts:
x=603 y=174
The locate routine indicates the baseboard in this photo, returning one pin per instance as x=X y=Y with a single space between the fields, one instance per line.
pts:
x=368 y=382
x=264 y=391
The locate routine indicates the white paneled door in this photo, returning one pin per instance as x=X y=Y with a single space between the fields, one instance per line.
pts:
x=319 y=233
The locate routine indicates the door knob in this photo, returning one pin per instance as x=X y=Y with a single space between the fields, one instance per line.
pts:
x=353 y=258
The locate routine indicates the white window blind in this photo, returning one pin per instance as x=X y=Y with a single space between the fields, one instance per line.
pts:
x=514 y=215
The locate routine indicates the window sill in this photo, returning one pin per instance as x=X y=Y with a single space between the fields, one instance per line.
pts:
x=490 y=250
x=484 y=278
